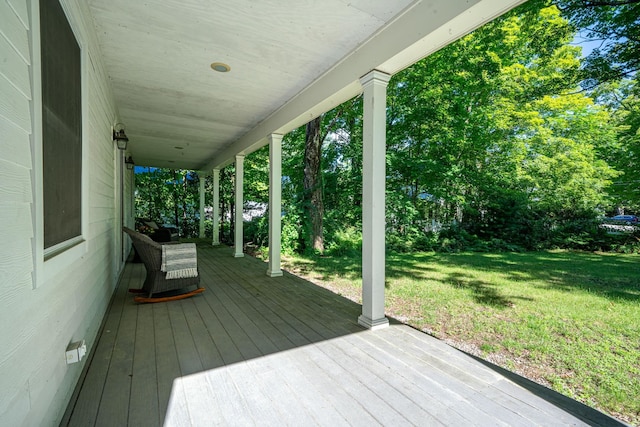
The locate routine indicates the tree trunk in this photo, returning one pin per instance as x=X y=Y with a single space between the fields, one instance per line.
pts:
x=232 y=207
x=186 y=225
x=356 y=162
x=313 y=205
x=175 y=201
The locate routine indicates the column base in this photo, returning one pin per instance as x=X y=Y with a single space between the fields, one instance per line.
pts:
x=277 y=273
x=373 y=324
x=240 y=255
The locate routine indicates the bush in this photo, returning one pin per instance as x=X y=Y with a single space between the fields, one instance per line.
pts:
x=626 y=243
x=289 y=237
x=256 y=231
x=344 y=242
x=412 y=242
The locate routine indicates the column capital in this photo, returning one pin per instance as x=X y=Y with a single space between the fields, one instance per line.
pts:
x=375 y=76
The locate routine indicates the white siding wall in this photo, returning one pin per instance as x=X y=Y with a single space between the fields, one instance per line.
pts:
x=38 y=320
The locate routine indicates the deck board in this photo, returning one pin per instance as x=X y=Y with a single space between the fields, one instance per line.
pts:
x=143 y=404
x=87 y=403
x=256 y=350
x=167 y=364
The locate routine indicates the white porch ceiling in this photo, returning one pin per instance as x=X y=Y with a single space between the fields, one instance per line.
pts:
x=290 y=61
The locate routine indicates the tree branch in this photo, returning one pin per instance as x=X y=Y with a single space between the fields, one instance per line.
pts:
x=611 y=3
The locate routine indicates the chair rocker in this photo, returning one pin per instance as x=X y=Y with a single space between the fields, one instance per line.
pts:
x=157 y=287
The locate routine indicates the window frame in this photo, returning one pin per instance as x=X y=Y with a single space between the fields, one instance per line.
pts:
x=51 y=261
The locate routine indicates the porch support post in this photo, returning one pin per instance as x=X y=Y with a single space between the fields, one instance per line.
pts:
x=275 y=204
x=202 y=178
x=216 y=207
x=239 y=204
x=373 y=199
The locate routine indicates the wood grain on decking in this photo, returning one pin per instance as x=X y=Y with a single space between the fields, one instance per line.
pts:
x=255 y=350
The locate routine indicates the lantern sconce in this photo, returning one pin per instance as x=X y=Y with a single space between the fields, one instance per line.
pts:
x=129 y=162
x=119 y=136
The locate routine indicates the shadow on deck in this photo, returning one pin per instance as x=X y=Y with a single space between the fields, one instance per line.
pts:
x=254 y=350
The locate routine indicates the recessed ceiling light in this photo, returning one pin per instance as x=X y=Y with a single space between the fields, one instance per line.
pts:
x=220 y=67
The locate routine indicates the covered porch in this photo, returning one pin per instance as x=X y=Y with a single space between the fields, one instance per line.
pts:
x=200 y=85
x=256 y=350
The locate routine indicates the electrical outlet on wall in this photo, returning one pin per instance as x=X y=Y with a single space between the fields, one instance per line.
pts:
x=75 y=352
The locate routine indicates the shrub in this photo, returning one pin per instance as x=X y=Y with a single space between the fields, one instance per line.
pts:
x=347 y=241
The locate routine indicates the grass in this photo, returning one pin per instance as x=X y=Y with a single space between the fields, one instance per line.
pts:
x=567 y=320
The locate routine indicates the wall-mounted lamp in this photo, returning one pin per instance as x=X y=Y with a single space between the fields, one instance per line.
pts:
x=119 y=136
x=129 y=162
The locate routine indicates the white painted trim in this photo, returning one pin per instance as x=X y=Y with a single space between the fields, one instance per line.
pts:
x=373 y=199
x=216 y=207
x=275 y=205
x=48 y=263
x=118 y=196
x=36 y=147
x=238 y=241
x=409 y=37
x=201 y=194
x=373 y=324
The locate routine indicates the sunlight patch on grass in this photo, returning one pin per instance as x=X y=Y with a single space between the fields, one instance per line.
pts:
x=567 y=320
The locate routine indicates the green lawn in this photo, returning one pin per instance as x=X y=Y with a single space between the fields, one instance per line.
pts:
x=568 y=320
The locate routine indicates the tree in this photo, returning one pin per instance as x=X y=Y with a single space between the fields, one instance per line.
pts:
x=565 y=174
x=487 y=131
x=615 y=24
x=492 y=135
x=313 y=204
x=169 y=196
x=622 y=98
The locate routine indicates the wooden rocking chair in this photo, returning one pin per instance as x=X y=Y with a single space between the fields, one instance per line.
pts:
x=156 y=283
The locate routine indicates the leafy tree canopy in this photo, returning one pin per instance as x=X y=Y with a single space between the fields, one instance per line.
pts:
x=615 y=25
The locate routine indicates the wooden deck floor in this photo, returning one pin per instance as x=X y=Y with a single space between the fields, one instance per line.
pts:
x=254 y=350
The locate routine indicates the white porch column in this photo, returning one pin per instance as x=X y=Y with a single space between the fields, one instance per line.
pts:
x=275 y=204
x=202 y=179
x=216 y=207
x=239 y=203
x=373 y=199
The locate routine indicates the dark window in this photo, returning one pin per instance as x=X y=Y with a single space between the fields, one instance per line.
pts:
x=61 y=126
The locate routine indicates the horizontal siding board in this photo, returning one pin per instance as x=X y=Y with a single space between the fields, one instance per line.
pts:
x=16 y=143
x=69 y=304
x=15 y=275
x=15 y=269
x=20 y=343
x=21 y=10
x=15 y=403
x=14 y=68
x=103 y=175
x=101 y=201
x=14 y=31
x=16 y=183
x=101 y=111
x=14 y=106
x=19 y=216
x=101 y=214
